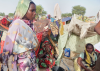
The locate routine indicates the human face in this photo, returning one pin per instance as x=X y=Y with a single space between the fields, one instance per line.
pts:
x=89 y=49
x=44 y=35
x=30 y=15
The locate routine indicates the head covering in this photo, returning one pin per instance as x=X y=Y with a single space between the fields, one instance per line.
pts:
x=22 y=8
x=46 y=41
x=88 y=59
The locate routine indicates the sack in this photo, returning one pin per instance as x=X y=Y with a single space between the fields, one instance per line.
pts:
x=80 y=28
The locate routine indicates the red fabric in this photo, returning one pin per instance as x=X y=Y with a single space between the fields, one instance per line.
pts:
x=41 y=66
x=46 y=41
x=39 y=37
x=52 y=64
x=47 y=62
x=97 y=51
x=4 y=21
x=63 y=23
x=2 y=45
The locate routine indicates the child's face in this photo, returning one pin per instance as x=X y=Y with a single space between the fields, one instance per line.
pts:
x=47 y=45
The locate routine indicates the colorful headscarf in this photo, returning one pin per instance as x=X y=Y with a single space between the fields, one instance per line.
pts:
x=88 y=59
x=22 y=8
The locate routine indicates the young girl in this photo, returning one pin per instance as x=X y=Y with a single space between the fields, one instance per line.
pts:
x=45 y=56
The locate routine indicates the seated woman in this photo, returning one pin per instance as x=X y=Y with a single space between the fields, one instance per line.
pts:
x=87 y=60
x=45 y=56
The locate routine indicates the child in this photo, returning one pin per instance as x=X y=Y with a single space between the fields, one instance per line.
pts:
x=45 y=57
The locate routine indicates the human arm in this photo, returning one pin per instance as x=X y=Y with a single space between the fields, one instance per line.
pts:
x=97 y=28
x=81 y=64
x=41 y=55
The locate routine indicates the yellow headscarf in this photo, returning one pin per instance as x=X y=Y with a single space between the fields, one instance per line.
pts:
x=88 y=59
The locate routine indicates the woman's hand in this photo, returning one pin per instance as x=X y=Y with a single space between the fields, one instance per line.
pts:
x=93 y=68
x=41 y=55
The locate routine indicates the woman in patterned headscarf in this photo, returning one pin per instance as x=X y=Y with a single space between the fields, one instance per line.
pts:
x=87 y=59
x=21 y=41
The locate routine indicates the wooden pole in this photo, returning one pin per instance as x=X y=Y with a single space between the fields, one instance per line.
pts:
x=52 y=42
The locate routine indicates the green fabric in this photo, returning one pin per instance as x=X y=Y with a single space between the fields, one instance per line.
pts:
x=79 y=44
x=44 y=65
x=22 y=8
x=41 y=52
x=61 y=44
x=37 y=60
x=53 y=38
x=50 y=60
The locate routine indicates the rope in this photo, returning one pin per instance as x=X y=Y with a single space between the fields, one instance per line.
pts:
x=65 y=65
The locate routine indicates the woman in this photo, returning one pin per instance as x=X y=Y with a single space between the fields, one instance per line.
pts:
x=87 y=59
x=21 y=42
x=45 y=55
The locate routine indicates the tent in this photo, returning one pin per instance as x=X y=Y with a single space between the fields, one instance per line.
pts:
x=66 y=19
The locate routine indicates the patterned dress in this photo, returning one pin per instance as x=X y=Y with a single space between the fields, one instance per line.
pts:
x=45 y=61
x=20 y=43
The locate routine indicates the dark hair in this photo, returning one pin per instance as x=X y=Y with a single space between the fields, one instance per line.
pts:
x=32 y=3
x=89 y=44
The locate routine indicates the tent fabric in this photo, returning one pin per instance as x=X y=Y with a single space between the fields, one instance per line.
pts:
x=57 y=12
x=66 y=19
x=61 y=44
x=78 y=44
x=80 y=28
x=63 y=23
x=54 y=29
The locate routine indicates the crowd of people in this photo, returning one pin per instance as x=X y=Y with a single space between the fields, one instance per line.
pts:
x=27 y=49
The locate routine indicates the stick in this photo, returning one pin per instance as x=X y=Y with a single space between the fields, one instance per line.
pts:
x=52 y=42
